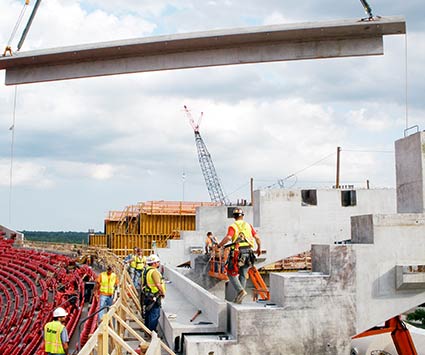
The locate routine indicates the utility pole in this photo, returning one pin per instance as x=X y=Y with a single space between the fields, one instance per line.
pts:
x=338 y=153
x=183 y=182
x=252 y=191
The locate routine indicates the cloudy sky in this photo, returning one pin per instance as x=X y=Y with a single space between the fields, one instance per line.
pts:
x=84 y=147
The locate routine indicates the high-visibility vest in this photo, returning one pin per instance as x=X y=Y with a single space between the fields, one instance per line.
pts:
x=138 y=262
x=150 y=282
x=52 y=337
x=133 y=262
x=243 y=229
x=107 y=283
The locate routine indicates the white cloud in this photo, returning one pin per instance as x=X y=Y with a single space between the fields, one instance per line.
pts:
x=24 y=174
x=102 y=172
x=276 y=18
x=370 y=121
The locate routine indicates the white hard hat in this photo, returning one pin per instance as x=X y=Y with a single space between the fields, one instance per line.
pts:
x=152 y=259
x=59 y=312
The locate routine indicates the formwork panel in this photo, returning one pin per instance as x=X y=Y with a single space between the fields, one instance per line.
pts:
x=165 y=224
x=97 y=240
x=123 y=244
x=111 y=227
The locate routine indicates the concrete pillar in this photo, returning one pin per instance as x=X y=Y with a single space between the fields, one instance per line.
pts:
x=320 y=258
x=409 y=158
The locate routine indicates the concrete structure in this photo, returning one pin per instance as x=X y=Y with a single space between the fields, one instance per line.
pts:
x=291 y=220
x=217 y=219
x=410 y=174
x=352 y=287
x=329 y=39
x=10 y=233
x=286 y=224
x=214 y=219
x=214 y=313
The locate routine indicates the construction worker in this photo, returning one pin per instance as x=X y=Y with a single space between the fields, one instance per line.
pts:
x=244 y=240
x=55 y=334
x=210 y=242
x=138 y=262
x=212 y=249
x=153 y=291
x=131 y=265
x=106 y=284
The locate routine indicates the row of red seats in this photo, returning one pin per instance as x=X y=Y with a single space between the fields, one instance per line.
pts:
x=32 y=284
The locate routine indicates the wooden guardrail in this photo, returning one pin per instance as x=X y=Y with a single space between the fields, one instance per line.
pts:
x=109 y=337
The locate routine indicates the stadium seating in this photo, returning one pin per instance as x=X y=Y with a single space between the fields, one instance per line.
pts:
x=32 y=284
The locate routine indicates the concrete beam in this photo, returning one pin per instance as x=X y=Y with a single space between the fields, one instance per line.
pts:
x=329 y=39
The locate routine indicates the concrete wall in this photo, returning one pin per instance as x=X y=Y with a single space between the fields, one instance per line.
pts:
x=410 y=157
x=288 y=226
x=179 y=251
x=398 y=240
x=215 y=219
x=285 y=225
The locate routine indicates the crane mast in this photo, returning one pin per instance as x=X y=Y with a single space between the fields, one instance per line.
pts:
x=207 y=166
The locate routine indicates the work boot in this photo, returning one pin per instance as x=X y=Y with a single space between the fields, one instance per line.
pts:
x=240 y=296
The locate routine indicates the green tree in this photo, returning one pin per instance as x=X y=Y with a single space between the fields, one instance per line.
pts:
x=418 y=316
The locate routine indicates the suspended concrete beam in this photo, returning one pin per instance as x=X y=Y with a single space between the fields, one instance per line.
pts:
x=311 y=40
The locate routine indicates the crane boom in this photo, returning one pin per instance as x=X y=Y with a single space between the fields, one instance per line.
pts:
x=207 y=166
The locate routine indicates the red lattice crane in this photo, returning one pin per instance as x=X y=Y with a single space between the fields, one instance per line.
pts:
x=207 y=166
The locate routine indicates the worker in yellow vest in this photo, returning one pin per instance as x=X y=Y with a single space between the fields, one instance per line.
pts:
x=138 y=262
x=244 y=240
x=55 y=334
x=106 y=284
x=153 y=291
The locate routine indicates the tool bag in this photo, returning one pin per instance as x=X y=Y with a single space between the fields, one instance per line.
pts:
x=246 y=257
x=232 y=267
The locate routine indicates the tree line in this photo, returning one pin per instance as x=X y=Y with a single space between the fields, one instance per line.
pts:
x=57 y=237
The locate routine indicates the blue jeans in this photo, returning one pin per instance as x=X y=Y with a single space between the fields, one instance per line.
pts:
x=239 y=282
x=152 y=317
x=104 y=301
x=136 y=277
x=131 y=272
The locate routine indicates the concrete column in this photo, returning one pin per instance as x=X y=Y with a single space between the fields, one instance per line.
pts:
x=409 y=158
x=320 y=258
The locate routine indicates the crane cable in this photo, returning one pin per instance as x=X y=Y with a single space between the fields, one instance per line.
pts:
x=406 y=96
x=12 y=128
x=15 y=29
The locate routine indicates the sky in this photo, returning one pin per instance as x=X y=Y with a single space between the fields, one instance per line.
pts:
x=87 y=146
